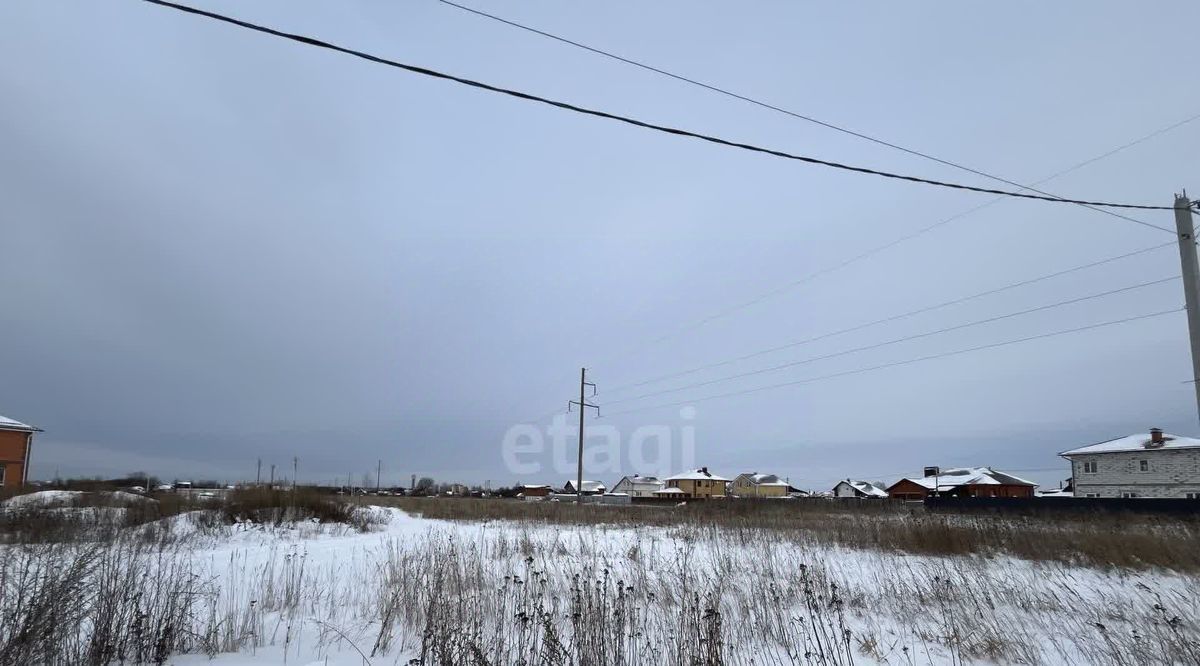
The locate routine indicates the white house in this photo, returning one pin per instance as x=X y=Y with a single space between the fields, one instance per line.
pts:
x=1140 y=465
x=853 y=488
x=639 y=486
x=589 y=488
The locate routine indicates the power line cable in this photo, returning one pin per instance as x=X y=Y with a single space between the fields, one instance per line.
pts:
x=878 y=249
x=910 y=313
x=900 y=363
x=310 y=41
x=779 y=109
x=917 y=336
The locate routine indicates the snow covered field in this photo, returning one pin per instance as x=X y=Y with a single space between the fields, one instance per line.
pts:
x=415 y=590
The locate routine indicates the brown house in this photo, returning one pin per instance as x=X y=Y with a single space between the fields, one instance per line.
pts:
x=962 y=482
x=16 y=439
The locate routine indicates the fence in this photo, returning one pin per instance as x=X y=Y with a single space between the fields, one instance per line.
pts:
x=1037 y=505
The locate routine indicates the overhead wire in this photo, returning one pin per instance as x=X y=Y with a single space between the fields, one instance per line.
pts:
x=778 y=109
x=884 y=320
x=894 y=364
x=893 y=341
x=424 y=71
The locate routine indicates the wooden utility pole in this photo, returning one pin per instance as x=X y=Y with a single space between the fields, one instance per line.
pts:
x=583 y=405
x=295 y=469
x=258 y=474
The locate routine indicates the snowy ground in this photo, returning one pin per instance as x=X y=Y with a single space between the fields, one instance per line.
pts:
x=775 y=602
x=421 y=591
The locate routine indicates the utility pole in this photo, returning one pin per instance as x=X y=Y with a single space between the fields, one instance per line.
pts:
x=583 y=405
x=1191 y=282
x=258 y=474
x=272 y=484
x=378 y=472
x=295 y=467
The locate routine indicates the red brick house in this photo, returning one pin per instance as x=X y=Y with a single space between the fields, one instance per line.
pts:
x=16 y=439
x=963 y=482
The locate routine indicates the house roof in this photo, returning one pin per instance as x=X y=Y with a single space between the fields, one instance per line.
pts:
x=968 y=476
x=534 y=486
x=638 y=478
x=587 y=486
x=11 y=424
x=1136 y=442
x=696 y=475
x=669 y=491
x=865 y=487
x=761 y=479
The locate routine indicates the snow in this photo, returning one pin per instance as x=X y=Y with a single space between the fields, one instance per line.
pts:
x=969 y=476
x=1136 y=442
x=696 y=475
x=336 y=574
x=12 y=424
x=867 y=488
x=43 y=498
x=588 y=486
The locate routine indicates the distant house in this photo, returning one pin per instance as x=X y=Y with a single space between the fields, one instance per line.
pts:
x=16 y=440
x=862 y=489
x=529 y=491
x=962 y=482
x=638 y=486
x=695 y=484
x=752 y=484
x=589 y=488
x=1139 y=465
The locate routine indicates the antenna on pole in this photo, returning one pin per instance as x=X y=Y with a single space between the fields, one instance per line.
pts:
x=583 y=405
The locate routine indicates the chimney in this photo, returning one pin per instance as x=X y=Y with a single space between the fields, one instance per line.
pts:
x=932 y=471
x=1156 y=436
x=705 y=471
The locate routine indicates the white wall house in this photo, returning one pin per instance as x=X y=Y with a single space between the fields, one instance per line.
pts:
x=853 y=488
x=639 y=486
x=1141 y=465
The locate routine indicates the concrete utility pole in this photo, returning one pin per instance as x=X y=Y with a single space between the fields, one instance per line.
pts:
x=378 y=472
x=295 y=468
x=1191 y=282
x=583 y=405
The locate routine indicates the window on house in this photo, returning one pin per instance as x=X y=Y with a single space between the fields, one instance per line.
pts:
x=1092 y=495
x=1 y=475
x=1192 y=495
x=1143 y=465
x=1089 y=467
x=1128 y=495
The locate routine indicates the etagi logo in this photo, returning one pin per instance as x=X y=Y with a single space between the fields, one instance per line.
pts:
x=606 y=451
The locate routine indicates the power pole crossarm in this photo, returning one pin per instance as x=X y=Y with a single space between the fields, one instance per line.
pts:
x=1191 y=282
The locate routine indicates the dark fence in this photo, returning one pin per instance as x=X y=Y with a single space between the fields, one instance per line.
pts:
x=1042 y=506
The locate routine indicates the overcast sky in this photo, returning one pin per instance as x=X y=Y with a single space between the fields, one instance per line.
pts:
x=220 y=246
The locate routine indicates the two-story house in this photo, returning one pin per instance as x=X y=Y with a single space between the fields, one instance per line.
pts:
x=16 y=439
x=753 y=484
x=694 y=484
x=1140 y=465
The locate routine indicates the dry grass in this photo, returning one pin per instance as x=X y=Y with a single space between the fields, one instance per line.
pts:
x=1118 y=540
x=682 y=591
